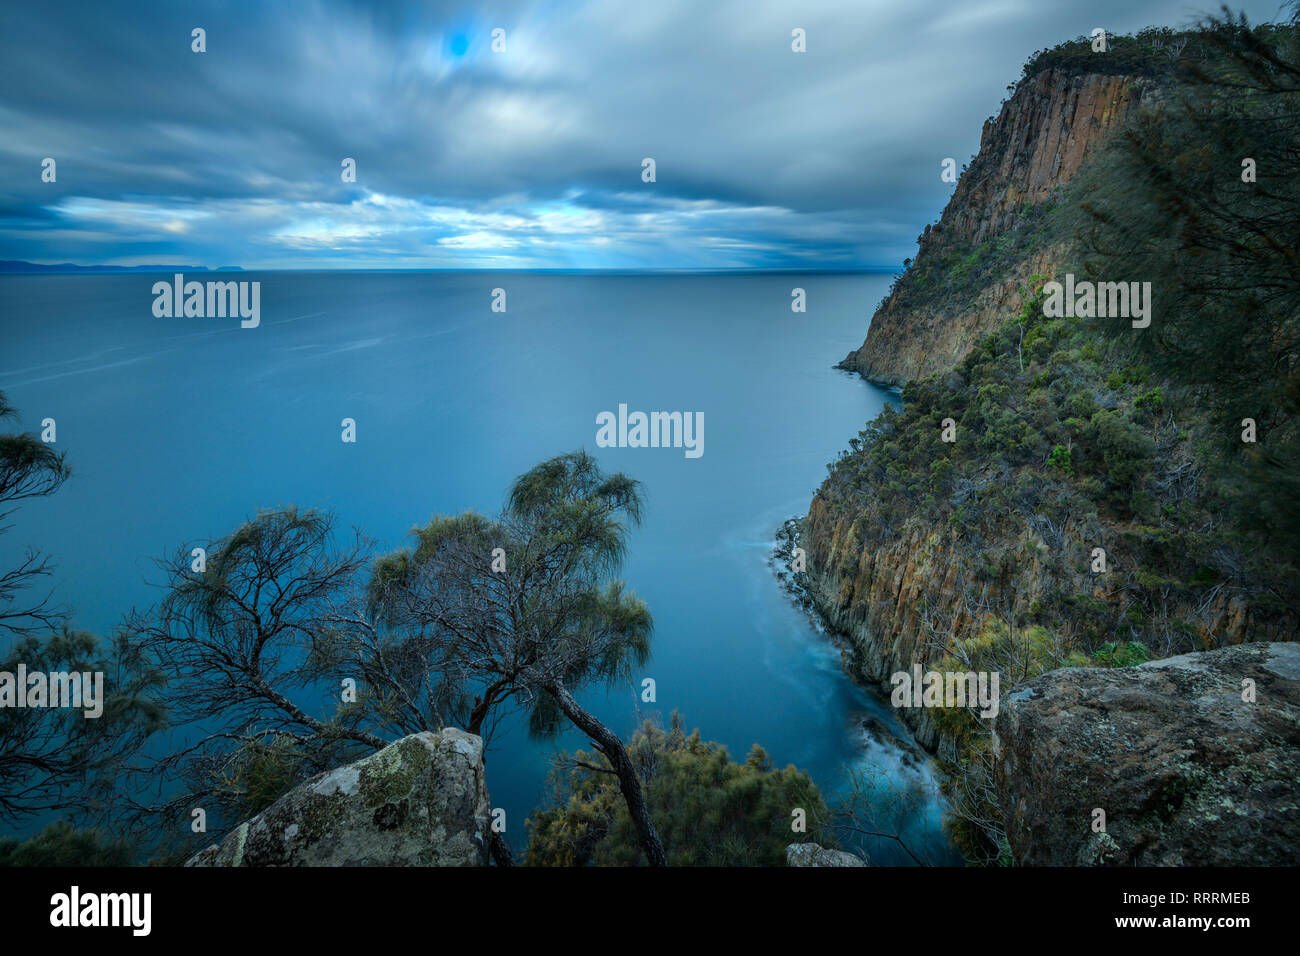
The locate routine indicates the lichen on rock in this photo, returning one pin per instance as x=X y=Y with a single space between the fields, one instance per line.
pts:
x=421 y=801
x=814 y=854
x=1187 y=770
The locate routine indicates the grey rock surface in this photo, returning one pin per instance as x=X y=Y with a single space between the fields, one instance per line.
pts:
x=421 y=801
x=1187 y=771
x=813 y=854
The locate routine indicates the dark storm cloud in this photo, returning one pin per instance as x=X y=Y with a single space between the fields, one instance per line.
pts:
x=531 y=157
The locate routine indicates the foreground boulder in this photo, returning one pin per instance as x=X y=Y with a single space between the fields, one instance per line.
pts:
x=1186 y=771
x=421 y=801
x=814 y=854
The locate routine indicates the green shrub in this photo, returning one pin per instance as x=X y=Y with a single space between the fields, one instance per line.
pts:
x=1060 y=459
x=1127 y=654
x=62 y=844
x=709 y=811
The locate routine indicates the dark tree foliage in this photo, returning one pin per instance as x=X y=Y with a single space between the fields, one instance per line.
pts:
x=259 y=642
x=29 y=468
x=61 y=844
x=57 y=758
x=710 y=810
x=1223 y=255
x=516 y=612
x=236 y=640
x=1154 y=52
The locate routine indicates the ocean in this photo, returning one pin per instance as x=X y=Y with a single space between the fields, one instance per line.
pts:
x=180 y=428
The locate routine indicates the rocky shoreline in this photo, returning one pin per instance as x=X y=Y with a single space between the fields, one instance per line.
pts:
x=806 y=590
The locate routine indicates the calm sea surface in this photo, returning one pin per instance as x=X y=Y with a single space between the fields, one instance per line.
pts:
x=179 y=429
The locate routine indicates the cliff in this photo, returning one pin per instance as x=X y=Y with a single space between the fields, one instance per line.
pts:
x=1060 y=501
x=1039 y=141
x=927 y=590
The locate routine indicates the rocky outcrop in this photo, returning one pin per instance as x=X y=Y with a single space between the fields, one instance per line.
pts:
x=421 y=801
x=1187 y=772
x=1039 y=141
x=813 y=854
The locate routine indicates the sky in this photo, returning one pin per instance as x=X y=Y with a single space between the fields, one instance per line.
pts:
x=528 y=157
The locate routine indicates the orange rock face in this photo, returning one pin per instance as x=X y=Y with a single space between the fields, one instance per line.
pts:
x=1039 y=141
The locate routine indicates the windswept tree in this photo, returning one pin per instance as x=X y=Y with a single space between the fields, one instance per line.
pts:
x=235 y=632
x=482 y=616
x=58 y=758
x=29 y=468
x=518 y=612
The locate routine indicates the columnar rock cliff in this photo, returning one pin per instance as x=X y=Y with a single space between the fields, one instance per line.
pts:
x=1038 y=142
x=894 y=599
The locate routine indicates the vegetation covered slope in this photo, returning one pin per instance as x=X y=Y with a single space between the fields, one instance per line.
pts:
x=1078 y=436
x=710 y=810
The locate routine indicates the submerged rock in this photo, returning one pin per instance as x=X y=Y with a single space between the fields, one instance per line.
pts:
x=421 y=801
x=1187 y=772
x=814 y=854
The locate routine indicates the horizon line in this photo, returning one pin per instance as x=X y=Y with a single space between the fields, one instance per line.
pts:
x=66 y=268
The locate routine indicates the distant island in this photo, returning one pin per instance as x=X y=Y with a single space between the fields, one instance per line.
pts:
x=18 y=267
